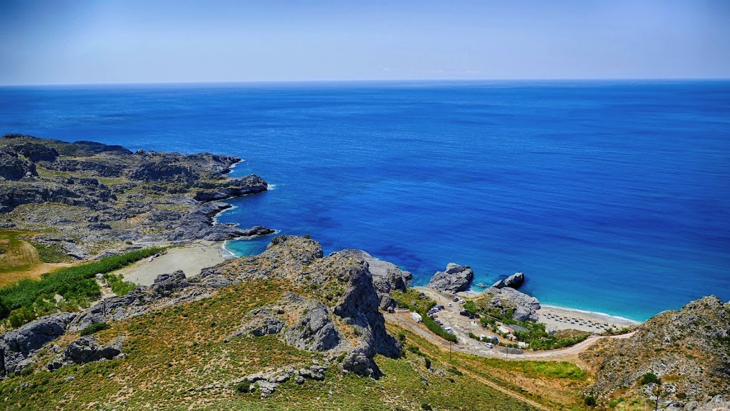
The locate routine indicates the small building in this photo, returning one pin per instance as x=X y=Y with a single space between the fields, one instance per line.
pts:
x=504 y=329
x=99 y=276
x=416 y=317
x=522 y=345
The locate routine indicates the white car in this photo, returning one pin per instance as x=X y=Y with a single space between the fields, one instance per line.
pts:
x=489 y=345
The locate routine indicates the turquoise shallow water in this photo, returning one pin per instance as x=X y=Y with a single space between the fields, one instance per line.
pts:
x=610 y=196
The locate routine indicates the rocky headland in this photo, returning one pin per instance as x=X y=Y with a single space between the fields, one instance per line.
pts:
x=88 y=197
x=687 y=350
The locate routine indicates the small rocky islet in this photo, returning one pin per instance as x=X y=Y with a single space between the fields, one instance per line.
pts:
x=93 y=200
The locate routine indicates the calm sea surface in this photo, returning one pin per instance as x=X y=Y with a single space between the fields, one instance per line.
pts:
x=610 y=196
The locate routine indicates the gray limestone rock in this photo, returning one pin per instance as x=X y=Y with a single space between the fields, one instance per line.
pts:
x=18 y=347
x=454 y=279
x=87 y=349
x=525 y=307
x=515 y=280
x=386 y=277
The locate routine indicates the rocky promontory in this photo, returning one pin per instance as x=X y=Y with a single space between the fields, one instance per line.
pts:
x=453 y=279
x=90 y=197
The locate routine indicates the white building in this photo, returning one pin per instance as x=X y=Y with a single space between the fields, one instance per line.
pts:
x=416 y=317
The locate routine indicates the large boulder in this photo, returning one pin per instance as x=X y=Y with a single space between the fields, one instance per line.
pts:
x=513 y=281
x=454 y=279
x=18 y=347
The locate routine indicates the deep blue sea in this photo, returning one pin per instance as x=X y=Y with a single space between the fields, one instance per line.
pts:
x=610 y=196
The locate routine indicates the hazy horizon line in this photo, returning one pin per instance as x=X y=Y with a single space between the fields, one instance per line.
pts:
x=485 y=80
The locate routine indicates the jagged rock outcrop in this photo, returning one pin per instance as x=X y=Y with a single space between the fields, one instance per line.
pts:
x=515 y=280
x=387 y=277
x=506 y=299
x=18 y=347
x=232 y=188
x=154 y=197
x=267 y=382
x=688 y=349
x=35 y=152
x=13 y=167
x=454 y=279
x=346 y=284
x=88 y=349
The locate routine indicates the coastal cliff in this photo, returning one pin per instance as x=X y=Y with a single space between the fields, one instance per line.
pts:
x=88 y=198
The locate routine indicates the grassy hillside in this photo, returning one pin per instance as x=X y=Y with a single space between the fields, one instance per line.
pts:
x=180 y=358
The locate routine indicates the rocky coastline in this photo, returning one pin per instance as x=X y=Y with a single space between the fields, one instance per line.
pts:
x=90 y=198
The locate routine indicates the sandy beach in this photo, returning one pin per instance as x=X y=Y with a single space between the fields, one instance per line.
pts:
x=561 y=318
x=191 y=259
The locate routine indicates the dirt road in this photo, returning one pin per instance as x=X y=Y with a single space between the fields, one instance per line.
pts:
x=470 y=346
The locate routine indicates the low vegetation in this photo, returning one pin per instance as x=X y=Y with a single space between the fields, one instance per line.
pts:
x=420 y=303
x=50 y=253
x=530 y=332
x=180 y=358
x=94 y=328
x=27 y=299
x=118 y=285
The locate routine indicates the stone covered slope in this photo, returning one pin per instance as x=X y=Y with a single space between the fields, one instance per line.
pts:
x=334 y=308
x=688 y=349
x=92 y=195
x=328 y=305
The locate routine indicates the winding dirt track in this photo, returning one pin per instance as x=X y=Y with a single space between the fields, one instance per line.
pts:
x=404 y=320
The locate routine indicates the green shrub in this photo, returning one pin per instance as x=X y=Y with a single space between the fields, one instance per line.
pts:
x=426 y=407
x=4 y=310
x=428 y=362
x=118 y=285
x=436 y=329
x=243 y=387
x=20 y=316
x=590 y=401
x=649 y=378
x=94 y=328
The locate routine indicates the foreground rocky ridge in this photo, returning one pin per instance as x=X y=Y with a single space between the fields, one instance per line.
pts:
x=330 y=307
x=689 y=350
x=95 y=197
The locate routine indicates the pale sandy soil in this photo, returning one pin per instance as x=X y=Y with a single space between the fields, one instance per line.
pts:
x=191 y=259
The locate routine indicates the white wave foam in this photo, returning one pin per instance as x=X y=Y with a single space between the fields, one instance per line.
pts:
x=215 y=217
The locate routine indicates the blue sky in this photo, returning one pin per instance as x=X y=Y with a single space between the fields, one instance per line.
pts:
x=147 y=41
